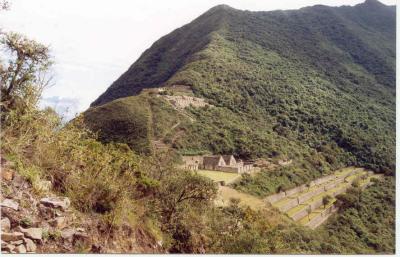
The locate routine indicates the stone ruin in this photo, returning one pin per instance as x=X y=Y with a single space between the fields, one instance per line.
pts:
x=224 y=163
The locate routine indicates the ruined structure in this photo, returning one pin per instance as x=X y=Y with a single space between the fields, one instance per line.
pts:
x=225 y=163
x=192 y=162
x=304 y=204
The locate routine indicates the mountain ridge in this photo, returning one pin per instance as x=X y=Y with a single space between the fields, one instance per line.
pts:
x=315 y=84
x=124 y=86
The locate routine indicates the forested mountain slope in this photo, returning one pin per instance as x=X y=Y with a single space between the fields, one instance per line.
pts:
x=316 y=85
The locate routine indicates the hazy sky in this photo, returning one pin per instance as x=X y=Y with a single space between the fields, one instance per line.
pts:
x=95 y=41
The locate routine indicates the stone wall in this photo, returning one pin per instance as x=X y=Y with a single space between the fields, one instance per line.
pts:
x=182 y=101
x=329 y=210
x=247 y=168
x=276 y=197
x=300 y=214
x=348 y=174
x=322 y=180
x=228 y=169
x=305 y=197
x=289 y=205
x=296 y=190
x=333 y=184
x=316 y=204
x=317 y=220
x=341 y=191
x=192 y=162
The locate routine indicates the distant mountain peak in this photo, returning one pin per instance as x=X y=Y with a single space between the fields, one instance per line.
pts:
x=373 y=3
x=222 y=7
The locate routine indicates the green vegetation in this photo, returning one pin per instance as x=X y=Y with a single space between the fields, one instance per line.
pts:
x=314 y=85
x=226 y=194
x=284 y=85
x=109 y=183
x=218 y=175
x=135 y=121
x=366 y=221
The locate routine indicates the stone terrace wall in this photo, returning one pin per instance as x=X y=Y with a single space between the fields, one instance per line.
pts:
x=348 y=174
x=296 y=190
x=308 y=195
x=316 y=221
x=316 y=204
x=228 y=169
x=333 y=184
x=289 y=205
x=276 y=197
x=300 y=214
x=322 y=180
x=329 y=210
x=341 y=191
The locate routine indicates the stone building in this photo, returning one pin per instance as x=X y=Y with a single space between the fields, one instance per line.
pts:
x=192 y=162
x=213 y=162
x=225 y=163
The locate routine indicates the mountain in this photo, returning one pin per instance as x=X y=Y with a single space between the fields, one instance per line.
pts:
x=316 y=85
x=366 y=32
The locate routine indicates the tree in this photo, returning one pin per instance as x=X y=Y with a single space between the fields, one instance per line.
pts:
x=356 y=183
x=281 y=188
x=326 y=199
x=26 y=73
x=184 y=189
x=309 y=211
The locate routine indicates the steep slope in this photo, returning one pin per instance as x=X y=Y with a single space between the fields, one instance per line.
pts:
x=137 y=121
x=165 y=57
x=316 y=85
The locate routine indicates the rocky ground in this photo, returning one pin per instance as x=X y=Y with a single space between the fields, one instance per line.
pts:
x=42 y=222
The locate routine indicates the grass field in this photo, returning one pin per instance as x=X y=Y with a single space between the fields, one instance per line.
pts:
x=219 y=175
x=226 y=193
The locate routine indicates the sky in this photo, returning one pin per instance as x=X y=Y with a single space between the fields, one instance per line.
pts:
x=93 y=42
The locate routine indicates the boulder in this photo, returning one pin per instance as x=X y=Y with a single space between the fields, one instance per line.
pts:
x=68 y=234
x=20 y=249
x=5 y=225
x=14 y=236
x=81 y=236
x=56 y=202
x=7 y=175
x=46 y=212
x=44 y=185
x=30 y=245
x=8 y=247
x=59 y=222
x=8 y=203
x=20 y=182
x=96 y=248
x=33 y=233
x=19 y=242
